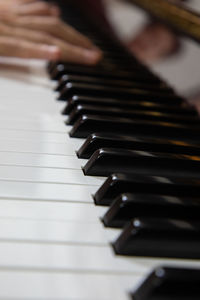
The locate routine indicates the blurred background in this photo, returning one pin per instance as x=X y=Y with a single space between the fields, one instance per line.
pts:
x=178 y=64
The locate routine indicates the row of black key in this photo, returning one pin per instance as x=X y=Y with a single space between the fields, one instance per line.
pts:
x=160 y=212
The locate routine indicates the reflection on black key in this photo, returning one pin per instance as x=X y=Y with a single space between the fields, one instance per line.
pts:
x=67 y=69
x=168 y=283
x=97 y=141
x=82 y=109
x=88 y=124
x=130 y=206
x=72 y=89
x=129 y=104
x=117 y=184
x=107 y=161
x=160 y=238
x=112 y=83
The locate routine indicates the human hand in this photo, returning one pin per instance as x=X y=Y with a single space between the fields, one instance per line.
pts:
x=34 y=30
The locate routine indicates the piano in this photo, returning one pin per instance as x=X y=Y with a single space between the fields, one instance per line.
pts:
x=101 y=201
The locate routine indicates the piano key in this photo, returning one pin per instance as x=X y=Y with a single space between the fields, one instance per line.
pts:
x=44 y=125
x=50 y=211
x=33 y=136
x=159 y=238
x=44 y=175
x=68 y=69
x=71 y=89
x=82 y=109
x=36 y=147
x=108 y=160
x=52 y=231
x=39 y=160
x=88 y=124
x=66 y=257
x=46 y=191
x=117 y=184
x=129 y=206
x=67 y=285
x=111 y=82
x=169 y=283
x=149 y=105
x=97 y=141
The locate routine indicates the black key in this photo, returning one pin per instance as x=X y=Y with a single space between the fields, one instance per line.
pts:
x=68 y=69
x=117 y=184
x=129 y=104
x=112 y=83
x=167 y=283
x=83 y=109
x=72 y=89
x=106 y=161
x=129 y=206
x=97 y=141
x=159 y=238
x=88 y=124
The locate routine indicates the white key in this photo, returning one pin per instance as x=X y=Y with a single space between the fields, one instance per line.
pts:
x=46 y=191
x=60 y=232
x=36 y=147
x=66 y=286
x=39 y=160
x=33 y=136
x=49 y=125
x=48 y=256
x=50 y=211
x=46 y=175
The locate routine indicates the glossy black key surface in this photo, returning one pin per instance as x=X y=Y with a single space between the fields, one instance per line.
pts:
x=82 y=109
x=97 y=141
x=129 y=104
x=112 y=83
x=160 y=238
x=72 y=89
x=128 y=206
x=88 y=124
x=169 y=283
x=106 y=161
x=69 y=69
x=117 y=184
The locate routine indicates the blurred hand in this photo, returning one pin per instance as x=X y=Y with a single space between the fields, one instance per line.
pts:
x=154 y=42
x=34 y=30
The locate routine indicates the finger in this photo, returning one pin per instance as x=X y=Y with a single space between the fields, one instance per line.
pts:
x=76 y=54
x=37 y=9
x=55 y=27
x=68 y=52
x=10 y=46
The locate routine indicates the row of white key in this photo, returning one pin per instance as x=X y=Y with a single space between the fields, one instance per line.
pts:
x=52 y=242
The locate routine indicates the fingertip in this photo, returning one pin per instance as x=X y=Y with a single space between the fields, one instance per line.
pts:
x=52 y=52
x=92 y=56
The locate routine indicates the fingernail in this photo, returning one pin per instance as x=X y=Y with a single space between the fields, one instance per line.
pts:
x=53 y=52
x=92 y=56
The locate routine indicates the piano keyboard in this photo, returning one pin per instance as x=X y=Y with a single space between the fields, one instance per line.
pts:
x=53 y=243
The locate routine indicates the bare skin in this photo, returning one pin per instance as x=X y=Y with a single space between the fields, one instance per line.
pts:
x=33 y=29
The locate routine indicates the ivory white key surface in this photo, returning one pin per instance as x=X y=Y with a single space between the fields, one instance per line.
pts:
x=65 y=286
x=41 y=174
x=35 y=147
x=61 y=232
x=39 y=160
x=33 y=136
x=46 y=191
x=49 y=210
